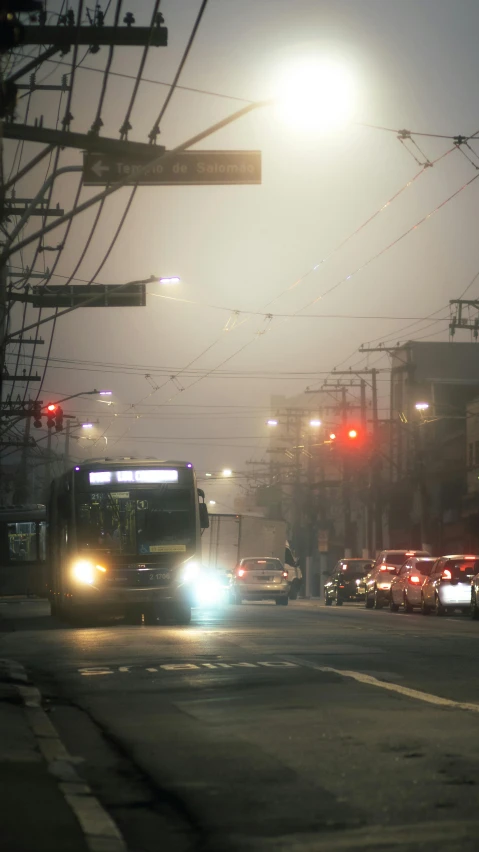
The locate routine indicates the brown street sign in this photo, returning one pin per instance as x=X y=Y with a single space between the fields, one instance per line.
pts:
x=188 y=168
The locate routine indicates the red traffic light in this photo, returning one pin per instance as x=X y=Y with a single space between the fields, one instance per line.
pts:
x=352 y=434
x=51 y=408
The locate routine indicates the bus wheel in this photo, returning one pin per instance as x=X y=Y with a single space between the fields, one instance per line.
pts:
x=81 y=616
x=133 y=615
x=151 y=615
x=182 y=614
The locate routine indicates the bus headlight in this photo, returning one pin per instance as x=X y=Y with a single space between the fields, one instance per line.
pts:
x=209 y=591
x=84 y=571
x=190 y=572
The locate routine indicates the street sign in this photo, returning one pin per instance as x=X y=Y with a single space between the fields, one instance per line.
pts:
x=188 y=168
x=323 y=541
x=90 y=296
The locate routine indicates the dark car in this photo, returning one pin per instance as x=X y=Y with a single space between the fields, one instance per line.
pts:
x=345 y=582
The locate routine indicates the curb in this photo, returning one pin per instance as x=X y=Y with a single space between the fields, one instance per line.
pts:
x=100 y=831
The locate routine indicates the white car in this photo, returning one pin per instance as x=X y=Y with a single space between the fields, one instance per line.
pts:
x=258 y=578
x=449 y=585
x=407 y=584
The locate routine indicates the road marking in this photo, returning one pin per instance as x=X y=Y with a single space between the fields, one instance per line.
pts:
x=100 y=831
x=92 y=671
x=97 y=670
x=417 y=694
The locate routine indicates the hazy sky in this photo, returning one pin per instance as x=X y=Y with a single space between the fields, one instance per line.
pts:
x=415 y=66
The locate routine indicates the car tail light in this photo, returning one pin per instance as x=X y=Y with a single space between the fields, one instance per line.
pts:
x=341 y=587
x=414 y=579
x=285 y=574
x=383 y=567
x=240 y=572
x=446 y=574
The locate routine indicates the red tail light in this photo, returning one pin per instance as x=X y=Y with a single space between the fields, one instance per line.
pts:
x=414 y=579
x=446 y=574
x=383 y=567
x=285 y=574
x=240 y=572
x=341 y=587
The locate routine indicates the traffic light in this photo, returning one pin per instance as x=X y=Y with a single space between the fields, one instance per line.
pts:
x=52 y=410
x=37 y=414
x=59 y=419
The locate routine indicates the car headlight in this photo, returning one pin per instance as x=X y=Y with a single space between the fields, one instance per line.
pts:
x=190 y=572
x=358 y=582
x=85 y=571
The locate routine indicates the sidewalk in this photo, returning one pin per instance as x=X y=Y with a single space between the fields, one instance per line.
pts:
x=46 y=807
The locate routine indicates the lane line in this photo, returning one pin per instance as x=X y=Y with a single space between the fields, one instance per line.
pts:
x=417 y=694
x=100 y=831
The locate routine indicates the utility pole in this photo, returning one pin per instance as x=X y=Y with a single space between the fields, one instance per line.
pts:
x=48 y=465
x=66 y=455
x=462 y=322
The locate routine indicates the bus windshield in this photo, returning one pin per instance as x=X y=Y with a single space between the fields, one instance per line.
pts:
x=137 y=522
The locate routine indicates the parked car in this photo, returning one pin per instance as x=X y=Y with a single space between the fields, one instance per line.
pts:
x=378 y=585
x=449 y=585
x=407 y=584
x=475 y=596
x=257 y=578
x=345 y=581
x=398 y=557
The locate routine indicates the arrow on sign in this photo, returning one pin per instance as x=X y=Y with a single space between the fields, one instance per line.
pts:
x=99 y=168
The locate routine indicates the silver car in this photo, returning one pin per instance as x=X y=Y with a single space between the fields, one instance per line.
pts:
x=407 y=584
x=449 y=585
x=258 y=578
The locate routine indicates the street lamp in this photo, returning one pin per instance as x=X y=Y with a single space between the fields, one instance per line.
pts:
x=271 y=422
x=173 y=280
x=226 y=472
x=87 y=425
x=421 y=406
x=212 y=502
x=315 y=423
x=208 y=474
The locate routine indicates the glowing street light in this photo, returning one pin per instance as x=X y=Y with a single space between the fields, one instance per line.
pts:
x=316 y=93
x=208 y=474
x=168 y=281
x=87 y=425
x=105 y=393
x=315 y=423
x=271 y=422
x=226 y=472
x=212 y=503
x=421 y=406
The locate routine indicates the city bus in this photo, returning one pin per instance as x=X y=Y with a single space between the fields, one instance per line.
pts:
x=22 y=549
x=124 y=538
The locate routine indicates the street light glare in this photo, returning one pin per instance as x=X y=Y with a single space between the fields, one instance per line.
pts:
x=212 y=503
x=317 y=94
x=208 y=474
x=422 y=406
x=227 y=472
x=173 y=280
x=87 y=425
x=315 y=423
x=271 y=422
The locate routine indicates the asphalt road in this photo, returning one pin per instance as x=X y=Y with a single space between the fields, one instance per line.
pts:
x=265 y=728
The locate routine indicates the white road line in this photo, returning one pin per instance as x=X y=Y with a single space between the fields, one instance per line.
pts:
x=417 y=694
x=100 y=831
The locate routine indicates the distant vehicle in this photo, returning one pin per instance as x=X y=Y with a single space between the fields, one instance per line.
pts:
x=345 y=583
x=23 y=549
x=378 y=581
x=258 y=579
x=231 y=538
x=475 y=596
x=449 y=585
x=124 y=538
x=406 y=586
x=398 y=557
